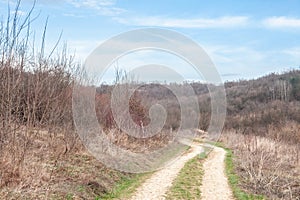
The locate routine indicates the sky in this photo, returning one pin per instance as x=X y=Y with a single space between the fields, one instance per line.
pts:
x=244 y=39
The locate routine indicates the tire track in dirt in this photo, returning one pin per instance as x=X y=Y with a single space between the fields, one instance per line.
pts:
x=214 y=182
x=158 y=184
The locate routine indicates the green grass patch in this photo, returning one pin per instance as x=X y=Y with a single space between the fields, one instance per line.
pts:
x=233 y=178
x=187 y=183
x=126 y=186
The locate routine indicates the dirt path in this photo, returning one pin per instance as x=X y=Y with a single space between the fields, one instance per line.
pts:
x=214 y=183
x=159 y=183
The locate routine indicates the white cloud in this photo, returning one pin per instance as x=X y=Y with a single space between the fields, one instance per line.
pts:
x=236 y=56
x=83 y=48
x=294 y=54
x=222 y=22
x=249 y=62
x=19 y=12
x=282 y=22
x=103 y=7
x=294 y=51
x=91 y=3
x=73 y=15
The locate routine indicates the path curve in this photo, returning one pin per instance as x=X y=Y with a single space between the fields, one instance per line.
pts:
x=158 y=184
x=214 y=183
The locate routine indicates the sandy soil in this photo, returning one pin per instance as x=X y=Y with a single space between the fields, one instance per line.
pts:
x=214 y=183
x=158 y=184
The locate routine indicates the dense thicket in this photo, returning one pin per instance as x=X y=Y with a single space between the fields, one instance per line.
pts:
x=35 y=92
x=268 y=106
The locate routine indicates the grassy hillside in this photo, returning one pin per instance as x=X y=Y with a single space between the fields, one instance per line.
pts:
x=42 y=156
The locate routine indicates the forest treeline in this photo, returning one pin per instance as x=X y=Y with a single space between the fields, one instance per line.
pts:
x=267 y=106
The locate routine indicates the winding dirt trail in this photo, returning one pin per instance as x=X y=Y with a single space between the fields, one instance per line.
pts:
x=158 y=184
x=214 y=184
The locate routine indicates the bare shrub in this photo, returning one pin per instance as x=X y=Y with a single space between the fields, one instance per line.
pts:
x=266 y=166
x=35 y=95
x=128 y=95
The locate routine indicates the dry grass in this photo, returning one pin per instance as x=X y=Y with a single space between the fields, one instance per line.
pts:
x=54 y=166
x=48 y=171
x=187 y=183
x=139 y=145
x=266 y=166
